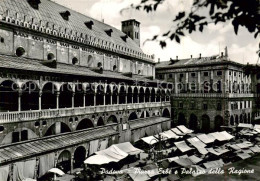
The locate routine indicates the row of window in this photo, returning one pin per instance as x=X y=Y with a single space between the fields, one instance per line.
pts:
x=193 y=74
x=193 y=105
x=247 y=104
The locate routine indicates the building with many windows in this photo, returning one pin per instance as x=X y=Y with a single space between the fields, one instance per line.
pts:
x=209 y=92
x=71 y=85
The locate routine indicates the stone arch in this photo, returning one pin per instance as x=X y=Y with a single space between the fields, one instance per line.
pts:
x=65 y=98
x=205 y=123
x=57 y=128
x=85 y=124
x=132 y=116
x=79 y=95
x=100 y=95
x=29 y=134
x=9 y=96
x=122 y=95
x=193 y=122
x=147 y=95
x=64 y=162
x=141 y=95
x=145 y=114
x=79 y=156
x=236 y=120
x=135 y=95
x=30 y=96
x=129 y=95
x=49 y=96
x=181 y=119
x=112 y=119
x=100 y=122
x=218 y=122
x=166 y=113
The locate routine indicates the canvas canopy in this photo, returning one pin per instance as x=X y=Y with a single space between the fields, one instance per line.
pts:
x=184 y=129
x=227 y=135
x=245 y=144
x=244 y=125
x=99 y=160
x=195 y=159
x=182 y=146
x=218 y=136
x=217 y=151
x=214 y=164
x=128 y=148
x=150 y=140
x=206 y=138
x=257 y=126
x=198 y=144
x=185 y=162
x=169 y=134
x=243 y=155
x=177 y=131
x=255 y=149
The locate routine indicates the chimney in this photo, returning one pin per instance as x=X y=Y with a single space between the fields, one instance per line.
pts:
x=226 y=52
x=176 y=57
x=159 y=60
x=200 y=55
x=191 y=56
x=222 y=54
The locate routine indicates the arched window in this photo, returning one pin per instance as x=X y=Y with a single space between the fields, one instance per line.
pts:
x=74 y=61
x=20 y=51
x=99 y=64
x=50 y=56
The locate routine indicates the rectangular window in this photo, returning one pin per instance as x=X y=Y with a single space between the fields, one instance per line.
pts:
x=219 y=73
x=24 y=135
x=245 y=104
x=193 y=74
x=181 y=75
x=235 y=74
x=206 y=74
x=219 y=107
x=160 y=76
x=170 y=76
x=205 y=106
x=230 y=73
x=15 y=137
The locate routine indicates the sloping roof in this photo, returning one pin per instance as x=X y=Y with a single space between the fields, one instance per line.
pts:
x=21 y=63
x=137 y=123
x=195 y=62
x=41 y=146
x=49 y=11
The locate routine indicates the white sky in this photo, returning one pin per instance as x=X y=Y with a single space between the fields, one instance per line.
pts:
x=241 y=48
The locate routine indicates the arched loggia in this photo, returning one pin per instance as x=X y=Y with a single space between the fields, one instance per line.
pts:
x=57 y=128
x=115 y=94
x=135 y=95
x=64 y=162
x=147 y=95
x=129 y=95
x=79 y=96
x=49 y=93
x=193 y=122
x=122 y=95
x=65 y=100
x=8 y=96
x=90 y=92
x=158 y=95
x=205 y=120
x=100 y=95
x=141 y=95
x=108 y=95
x=153 y=95
x=181 y=119
x=132 y=116
x=79 y=157
x=30 y=96
x=219 y=121
x=100 y=122
x=112 y=119
x=166 y=113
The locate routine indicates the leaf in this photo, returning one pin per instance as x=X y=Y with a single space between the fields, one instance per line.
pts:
x=235 y=24
x=180 y=33
x=163 y=44
x=256 y=35
x=154 y=37
x=179 y=16
x=172 y=36
x=166 y=34
x=177 y=39
x=201 y=28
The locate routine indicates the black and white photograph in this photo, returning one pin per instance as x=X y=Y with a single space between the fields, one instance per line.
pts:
x=129 y=90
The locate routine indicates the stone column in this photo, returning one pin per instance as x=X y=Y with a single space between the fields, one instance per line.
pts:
x=19 y=100
x=84 y=99
x=57 y=99
x=104 y=97
x=40 y=100
x=117 y=98
x=175 y=84
x=150 y=98
x=199 y=83
x=111 y=99
x=95 y=99
x=132 y=98
x=71 y=163
x=72 y=100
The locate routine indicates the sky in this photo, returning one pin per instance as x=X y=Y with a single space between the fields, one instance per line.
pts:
x=241 y=48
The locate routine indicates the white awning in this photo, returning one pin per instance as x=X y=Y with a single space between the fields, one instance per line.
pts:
x=257 y=126
x=218 y=136
x=198 y=144
x=113 y=153
x=206 y=139
x=150 y=140
x=182 y=146
x=243 y=155
x=177 y=131
x=169 y=134
x=227 y=135
x=195 y=159
x=128 y=148
x=244 y=125
x=217 y=151
x=184 y=129
x=214 y=164
x=99 y=160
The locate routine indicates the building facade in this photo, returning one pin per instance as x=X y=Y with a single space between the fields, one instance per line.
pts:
x=209 y=92
x=71 y=85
